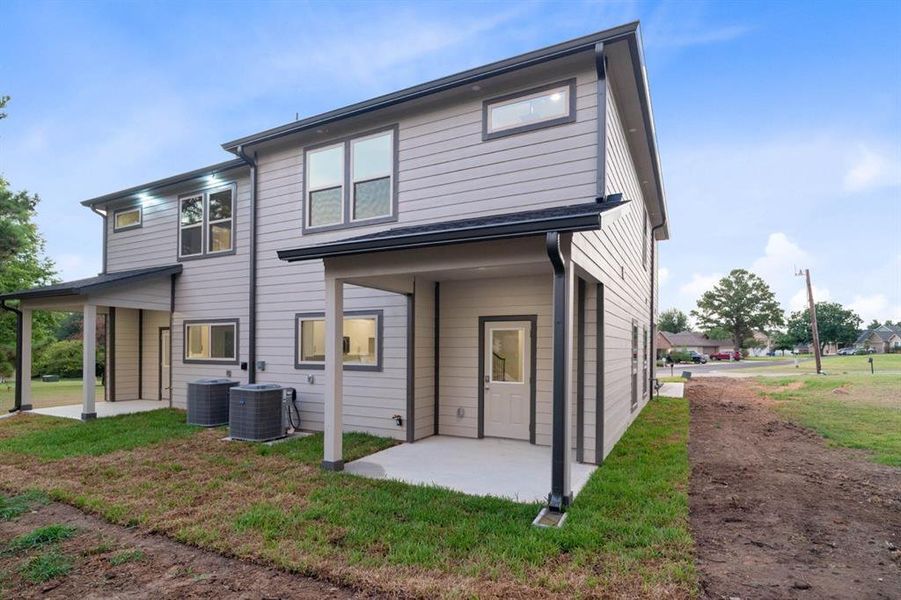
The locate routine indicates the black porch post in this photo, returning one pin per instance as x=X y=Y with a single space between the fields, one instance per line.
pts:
x=558 y=499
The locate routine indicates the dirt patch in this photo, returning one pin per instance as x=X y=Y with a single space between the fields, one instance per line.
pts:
x=113 y=561
x=776 y=513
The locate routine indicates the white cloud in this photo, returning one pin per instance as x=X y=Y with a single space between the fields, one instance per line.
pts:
x=699 y=284
x=799 y=300
x=872 y=168
x=662 y=275
x=781 y=257
x=874 y=306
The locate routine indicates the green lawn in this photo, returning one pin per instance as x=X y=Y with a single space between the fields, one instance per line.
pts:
x=886 y=364
x=854 y=410
x=65 y=391
x=626 y=534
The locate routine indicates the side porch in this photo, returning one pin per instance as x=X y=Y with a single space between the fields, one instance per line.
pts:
x=127 y=312
x=505 y=353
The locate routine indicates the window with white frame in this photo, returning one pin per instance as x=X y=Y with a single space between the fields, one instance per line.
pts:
x=546 y=106
x=127 y=218
x=351 y=181
x=361 y=340
x=213 y=341
x=206 y=222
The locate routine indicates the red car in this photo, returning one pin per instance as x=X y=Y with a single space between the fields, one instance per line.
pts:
x=728 y=355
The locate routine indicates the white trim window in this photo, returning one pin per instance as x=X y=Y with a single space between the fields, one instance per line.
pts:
x=127 y=218
x=211 y=342
x=536 y=108
x=206 y=222
x=351 y=181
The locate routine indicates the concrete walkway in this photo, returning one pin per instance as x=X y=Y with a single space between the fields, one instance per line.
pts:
x=487 y=467
x=104 y=409
x=672 y=390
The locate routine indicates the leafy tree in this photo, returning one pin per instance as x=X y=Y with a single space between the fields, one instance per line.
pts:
x=673 y=321
x=22 y=264
x=782 y=341
x=874 y=324
x=890 y=324
x=718 y=333
x=64 y=358
x=740 y=303
x=836 y=325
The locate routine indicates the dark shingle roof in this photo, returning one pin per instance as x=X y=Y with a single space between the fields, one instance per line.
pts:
x=92 y=284
x=578 y=217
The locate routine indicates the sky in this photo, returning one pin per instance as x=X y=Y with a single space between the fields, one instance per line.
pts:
x=778 y=124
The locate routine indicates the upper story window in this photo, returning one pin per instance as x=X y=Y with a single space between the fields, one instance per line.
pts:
x=545 y=106
x=127 y=218
x=351 y=181
x=206 y=222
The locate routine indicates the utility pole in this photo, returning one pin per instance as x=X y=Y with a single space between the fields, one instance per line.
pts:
x=813 y=320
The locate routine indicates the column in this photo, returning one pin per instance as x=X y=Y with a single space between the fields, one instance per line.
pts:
x=333 y=458
x=88 y=362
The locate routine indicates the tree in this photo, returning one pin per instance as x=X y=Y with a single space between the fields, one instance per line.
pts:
x=836 y=325
x=717 y=333
x=673 y=321
x=740 y=303
x=890 y=324
x=874 y=324
x=782 y=341
x=22 y=264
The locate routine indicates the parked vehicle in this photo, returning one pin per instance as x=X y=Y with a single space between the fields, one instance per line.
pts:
x=698 y=358
x=849 y=351
x=863 y=351
x=727 y=355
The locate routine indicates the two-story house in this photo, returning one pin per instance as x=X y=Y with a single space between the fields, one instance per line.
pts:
x=473 y=256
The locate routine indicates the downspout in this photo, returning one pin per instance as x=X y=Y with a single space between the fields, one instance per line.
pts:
x=104 y=217
x=18 y=394
x=252 y=292
x=653 y=340
x=559 y=497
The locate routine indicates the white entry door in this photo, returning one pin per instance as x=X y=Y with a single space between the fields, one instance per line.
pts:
x=508 y=379
x=165 y=363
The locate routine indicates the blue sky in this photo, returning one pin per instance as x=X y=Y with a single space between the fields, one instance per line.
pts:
x=779 y=124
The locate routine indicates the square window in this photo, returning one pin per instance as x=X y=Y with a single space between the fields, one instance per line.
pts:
x=127 y=219
x=360 y=345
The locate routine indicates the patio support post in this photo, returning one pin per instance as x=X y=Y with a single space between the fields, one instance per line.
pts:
x=333 y=459
x=89 y=361
x=25 y=363
x=561 y=442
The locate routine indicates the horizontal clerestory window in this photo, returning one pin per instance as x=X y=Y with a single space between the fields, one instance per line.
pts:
x=127 y=218
x=545 y=106
x=361 y=340
x=351 y=181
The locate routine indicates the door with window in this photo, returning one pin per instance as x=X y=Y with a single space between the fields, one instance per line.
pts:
x=507 y=379
x=165 y=363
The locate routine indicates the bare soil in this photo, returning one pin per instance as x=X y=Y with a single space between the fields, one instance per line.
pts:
x=776 y=513
x=161 y=568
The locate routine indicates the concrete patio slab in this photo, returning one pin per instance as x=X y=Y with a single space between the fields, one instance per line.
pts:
x=104 y=409
x=509 y=469
x=672 y=390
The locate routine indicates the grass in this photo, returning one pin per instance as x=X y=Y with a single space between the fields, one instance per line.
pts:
x=885 y=364
x=59 y=438
x=46 y=394
x=626 y=533
x=853 y=411
x=46 y=566
x=126 y=556
x=42 y=536
x=14 y=506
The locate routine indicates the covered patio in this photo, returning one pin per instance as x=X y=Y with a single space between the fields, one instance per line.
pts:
x=132 y=302
x=510 y=469
x=492 y=303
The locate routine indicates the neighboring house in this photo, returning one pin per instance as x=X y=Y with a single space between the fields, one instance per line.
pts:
x=882 y=339
x=489 y=238
x=762 y=345
x=688 y=341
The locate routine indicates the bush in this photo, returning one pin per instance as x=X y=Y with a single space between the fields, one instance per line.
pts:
x=63 y=358
x=680 y=356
